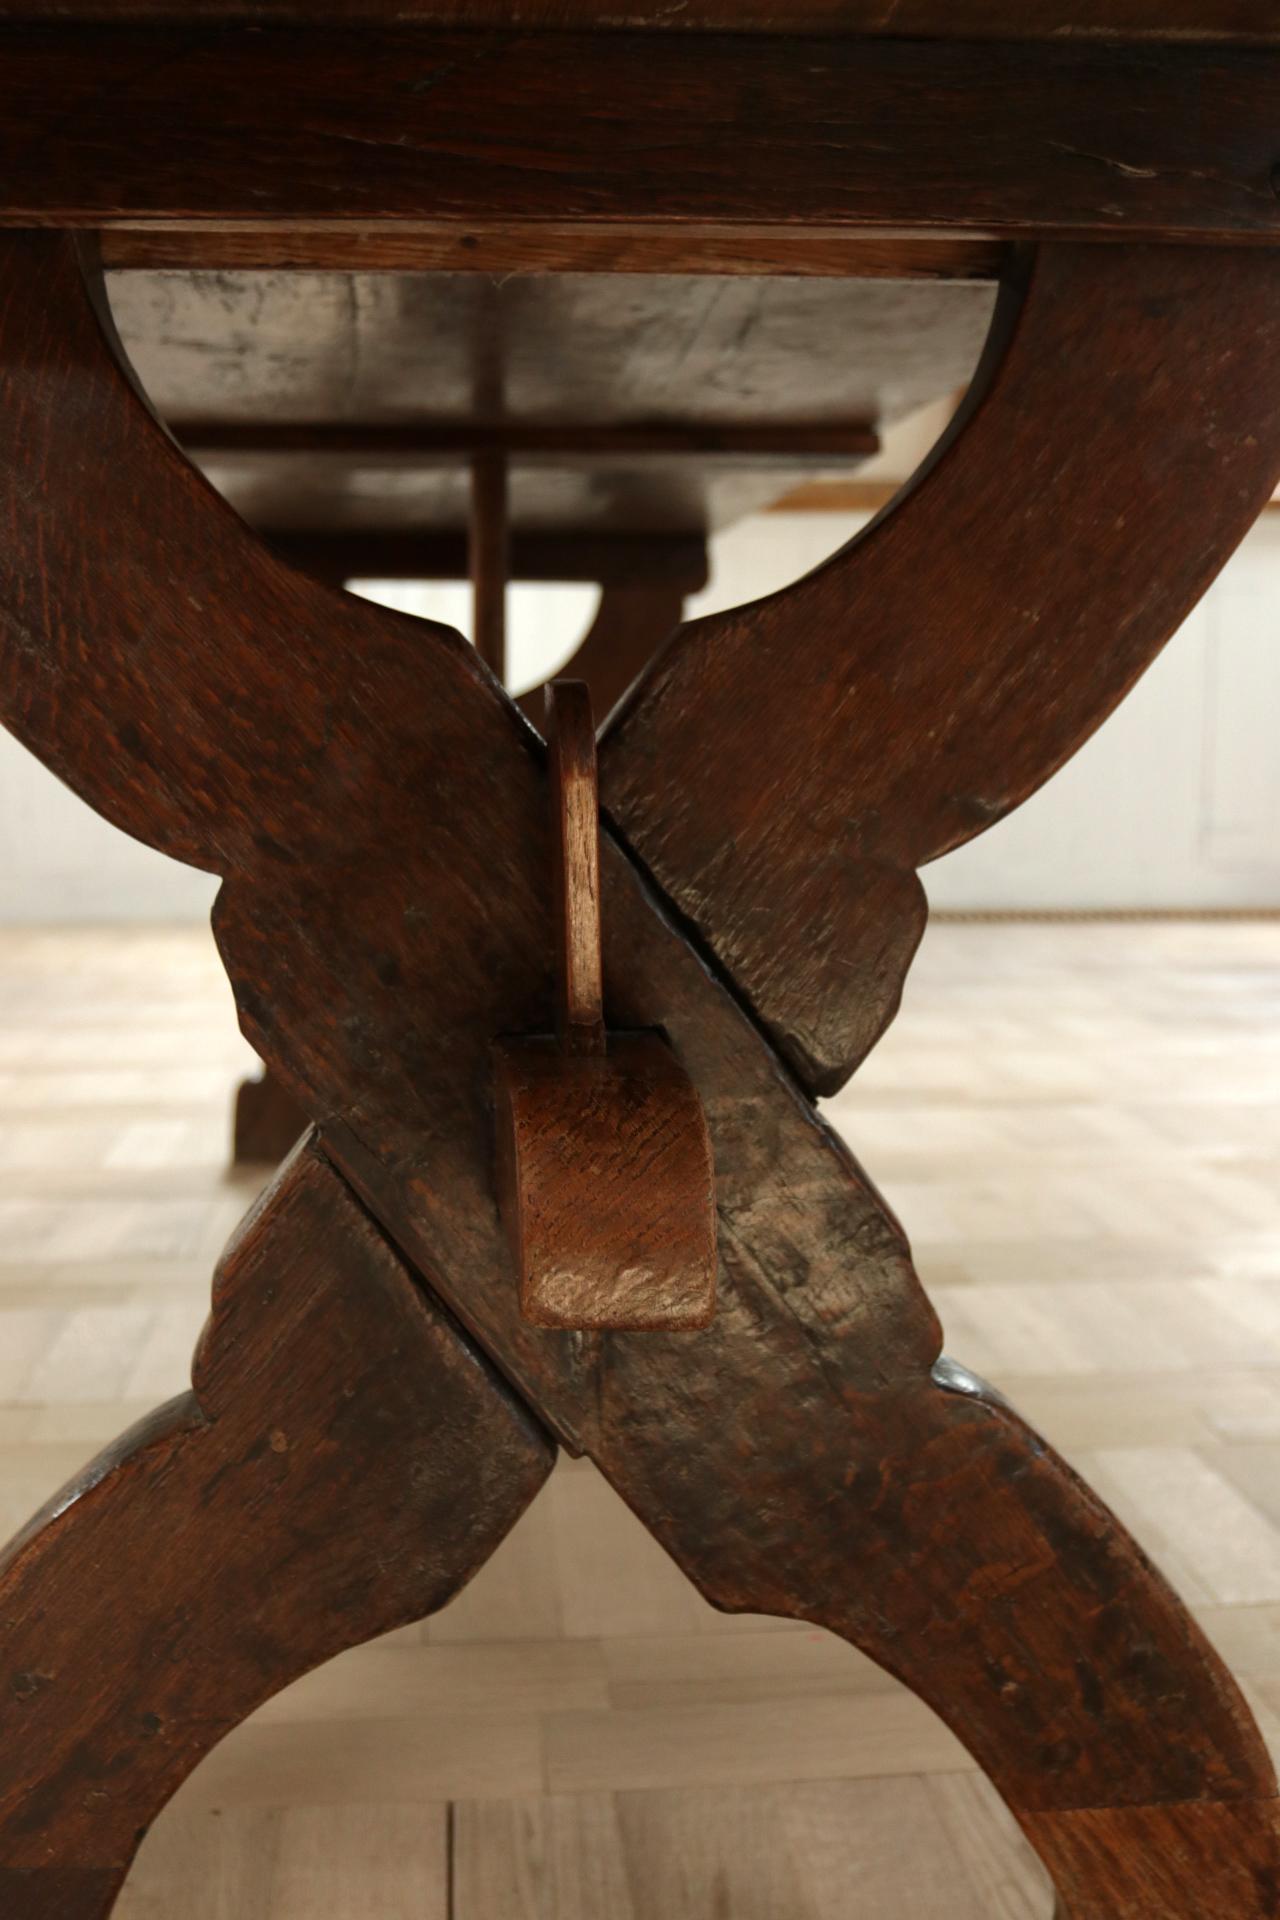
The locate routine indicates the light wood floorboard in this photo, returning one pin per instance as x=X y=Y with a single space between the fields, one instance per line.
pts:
x=1079 y=1126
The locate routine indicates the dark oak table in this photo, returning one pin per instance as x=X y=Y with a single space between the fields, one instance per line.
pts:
x=553 y=290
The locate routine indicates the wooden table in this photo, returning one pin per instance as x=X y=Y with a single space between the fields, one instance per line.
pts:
x=651 y=194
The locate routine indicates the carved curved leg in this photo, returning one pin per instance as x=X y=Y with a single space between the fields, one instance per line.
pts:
x=379 y=933
x=1120 y=437
x=344 y=1465
x=931 y=1528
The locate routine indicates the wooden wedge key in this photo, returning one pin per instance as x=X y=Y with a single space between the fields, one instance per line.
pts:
x=605 y=1174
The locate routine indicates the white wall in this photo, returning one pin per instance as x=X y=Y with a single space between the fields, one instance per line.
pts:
x=60 y=862
x=1174 y=803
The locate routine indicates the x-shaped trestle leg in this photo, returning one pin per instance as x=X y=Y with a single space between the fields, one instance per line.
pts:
x=374 y=805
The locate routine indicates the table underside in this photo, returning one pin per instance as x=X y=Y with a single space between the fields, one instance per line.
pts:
x=628 y=403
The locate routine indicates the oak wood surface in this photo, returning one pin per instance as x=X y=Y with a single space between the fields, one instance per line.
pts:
x=344 y=1463
x=965 y=645
x=377 y=934
x=543 y=247
x=606 y=1184
x=991 y=138
x=1012 y=19
x=643 y=592
x=570 y=731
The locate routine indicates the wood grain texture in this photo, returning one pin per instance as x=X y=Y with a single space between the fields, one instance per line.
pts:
x=343 y=1464
x=991 y=138
x=833 y=1850
x=964 y=646
x=800 y=1456
x=543 y=247
x=575 y=866
x=299 y=1863
x=1005 y=19
x=1199 y=1859
x=607 y=1185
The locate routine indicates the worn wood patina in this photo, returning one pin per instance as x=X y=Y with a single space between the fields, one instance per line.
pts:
x=371 y=1408
x=379 y=935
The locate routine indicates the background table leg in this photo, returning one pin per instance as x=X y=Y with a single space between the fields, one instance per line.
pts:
x=267 y=1121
